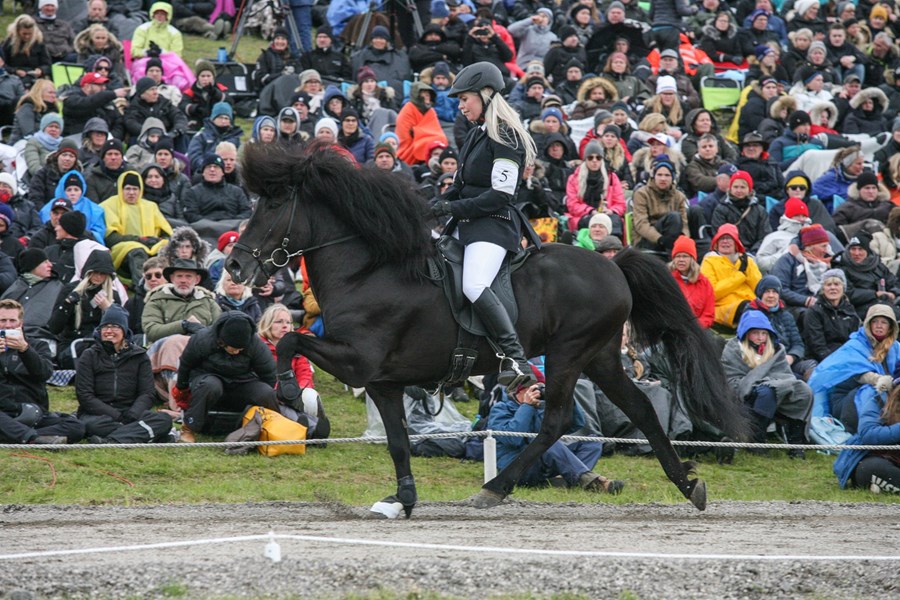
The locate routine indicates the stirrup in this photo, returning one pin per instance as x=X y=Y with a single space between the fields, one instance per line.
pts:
x=513 y=377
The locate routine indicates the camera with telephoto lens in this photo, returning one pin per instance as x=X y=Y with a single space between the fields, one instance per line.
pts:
x=482 y=31
x=541 y=391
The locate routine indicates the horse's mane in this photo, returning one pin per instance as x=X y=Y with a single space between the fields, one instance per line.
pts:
x=383 y=209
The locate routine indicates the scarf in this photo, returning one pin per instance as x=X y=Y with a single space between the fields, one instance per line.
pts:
x=815 y=268
x=31 y=278
x=594 y=191
x=48 y=141
x=370 y=103
x=232 y=302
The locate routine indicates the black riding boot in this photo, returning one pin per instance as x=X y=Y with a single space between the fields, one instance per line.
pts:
x=514 y=368
x=794 y=432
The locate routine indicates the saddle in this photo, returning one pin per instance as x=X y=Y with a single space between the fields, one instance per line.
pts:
x=445 y=269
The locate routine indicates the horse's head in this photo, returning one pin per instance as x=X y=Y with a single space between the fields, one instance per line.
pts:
x=315 y=197
x=274 y=231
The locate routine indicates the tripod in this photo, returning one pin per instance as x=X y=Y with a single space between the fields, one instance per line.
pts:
x=249 y=8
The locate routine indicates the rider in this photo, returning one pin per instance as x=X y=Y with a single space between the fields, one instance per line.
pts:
x=481 y=204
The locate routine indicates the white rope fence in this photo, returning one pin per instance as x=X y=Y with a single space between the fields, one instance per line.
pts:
x=272 y=550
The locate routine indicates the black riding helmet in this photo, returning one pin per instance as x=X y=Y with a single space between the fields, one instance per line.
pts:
x=476 y=77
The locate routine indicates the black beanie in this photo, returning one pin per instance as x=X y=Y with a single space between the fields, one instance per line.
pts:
x=29 y=259
x=73 y=223
x=797 y=118
x=866 y=178
x=74 y=180
x=112 y=144
x=116 y=315
x=155 y=62
x=131 y=178
x=236 y=332
x=165 y=143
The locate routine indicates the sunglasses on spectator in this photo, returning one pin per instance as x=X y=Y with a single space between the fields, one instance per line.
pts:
x=797 y=187
x=594 y=157
x=153 y=275
x=102 y=69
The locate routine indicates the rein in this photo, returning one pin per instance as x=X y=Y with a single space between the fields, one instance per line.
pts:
x=282 y=255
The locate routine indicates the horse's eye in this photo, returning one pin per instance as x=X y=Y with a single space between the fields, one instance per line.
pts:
x=273 y=202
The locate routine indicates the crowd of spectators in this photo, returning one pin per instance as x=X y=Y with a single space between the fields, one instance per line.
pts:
x=121 y=192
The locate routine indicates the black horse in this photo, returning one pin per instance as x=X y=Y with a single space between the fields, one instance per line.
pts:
x=365 y=237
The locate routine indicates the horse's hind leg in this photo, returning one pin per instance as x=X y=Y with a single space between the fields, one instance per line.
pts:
x=607 y=372
x=388 y=399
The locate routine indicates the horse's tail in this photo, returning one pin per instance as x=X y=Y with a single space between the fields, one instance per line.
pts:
x=660 y=313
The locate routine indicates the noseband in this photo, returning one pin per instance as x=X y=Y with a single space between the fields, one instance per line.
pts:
x=281 y=256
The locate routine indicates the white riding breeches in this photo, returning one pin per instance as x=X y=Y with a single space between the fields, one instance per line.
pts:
x=481 y=264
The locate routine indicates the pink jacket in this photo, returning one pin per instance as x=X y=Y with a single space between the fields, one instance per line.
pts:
x=576 y=207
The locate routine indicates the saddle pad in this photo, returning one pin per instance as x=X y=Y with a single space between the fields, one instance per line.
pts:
x=449 y=265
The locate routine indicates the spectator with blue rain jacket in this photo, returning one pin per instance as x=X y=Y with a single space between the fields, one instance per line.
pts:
x=879 y=424
x=72 y=186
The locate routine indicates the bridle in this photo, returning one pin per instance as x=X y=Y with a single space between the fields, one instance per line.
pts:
x=282 y=255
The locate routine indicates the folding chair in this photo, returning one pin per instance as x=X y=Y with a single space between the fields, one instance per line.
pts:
x=66 y=74
x=719 y=93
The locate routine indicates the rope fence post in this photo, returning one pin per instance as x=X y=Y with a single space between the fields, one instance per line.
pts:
x=490 y=456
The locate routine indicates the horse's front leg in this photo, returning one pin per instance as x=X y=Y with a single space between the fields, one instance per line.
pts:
x=388 y=399
x=352 y=365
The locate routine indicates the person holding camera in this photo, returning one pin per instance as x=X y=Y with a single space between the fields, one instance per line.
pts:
x=25 y=365
x=572 y=463
x=484 y=45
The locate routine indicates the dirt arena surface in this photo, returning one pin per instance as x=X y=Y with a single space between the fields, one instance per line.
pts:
x=794 y=531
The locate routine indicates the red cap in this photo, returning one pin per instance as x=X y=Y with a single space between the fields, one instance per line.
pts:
x=814 y=234
x=92 y=77
x=795 y=207
x=686 y=245
x=741 y=175
x=229 y=237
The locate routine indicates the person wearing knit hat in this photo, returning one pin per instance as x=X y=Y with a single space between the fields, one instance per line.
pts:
x=796 y=209
x=365 y=73
x=795 y=140
x=829 y=323
x=552 y=112
x=380 y=32
x=866 y=199
x=659 y=209
x=72 y=223
x=7 y=216
x=382 y=147
x=879 y=12
x=694 y=285
x=598 y=228
x=31 y=259
x=143 y=85
x=602 y=117
x=812 y=235
x=666 y=84
x=226 y=241
x=222 y=366
x=742 y=207
x=221 y=109
x=326 y=130
x=8 y=187
x=43 y=143
x=609 y=246
x=391 y=138
x=121 y=410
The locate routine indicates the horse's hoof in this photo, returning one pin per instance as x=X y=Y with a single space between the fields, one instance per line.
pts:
x=486 y=499
x=698 y=494
x=384 y=509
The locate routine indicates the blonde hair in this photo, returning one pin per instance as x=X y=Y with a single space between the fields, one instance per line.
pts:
x=35 y=94
x=504 y=125
x=615 y=156
x=653 y=123
x=693 y=270
x=84 y=284
x=264 y=327
x=673 y=117
x=15 y=42
x=751 y=357
x=891 y=412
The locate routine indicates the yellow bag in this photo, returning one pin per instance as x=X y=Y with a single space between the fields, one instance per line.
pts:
x=276 y=428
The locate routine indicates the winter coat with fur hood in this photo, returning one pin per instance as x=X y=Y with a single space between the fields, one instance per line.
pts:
x=872 y=121
x=855 y=209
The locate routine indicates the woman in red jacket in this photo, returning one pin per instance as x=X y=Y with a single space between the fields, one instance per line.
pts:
x=694 y=285
x=297 y=397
